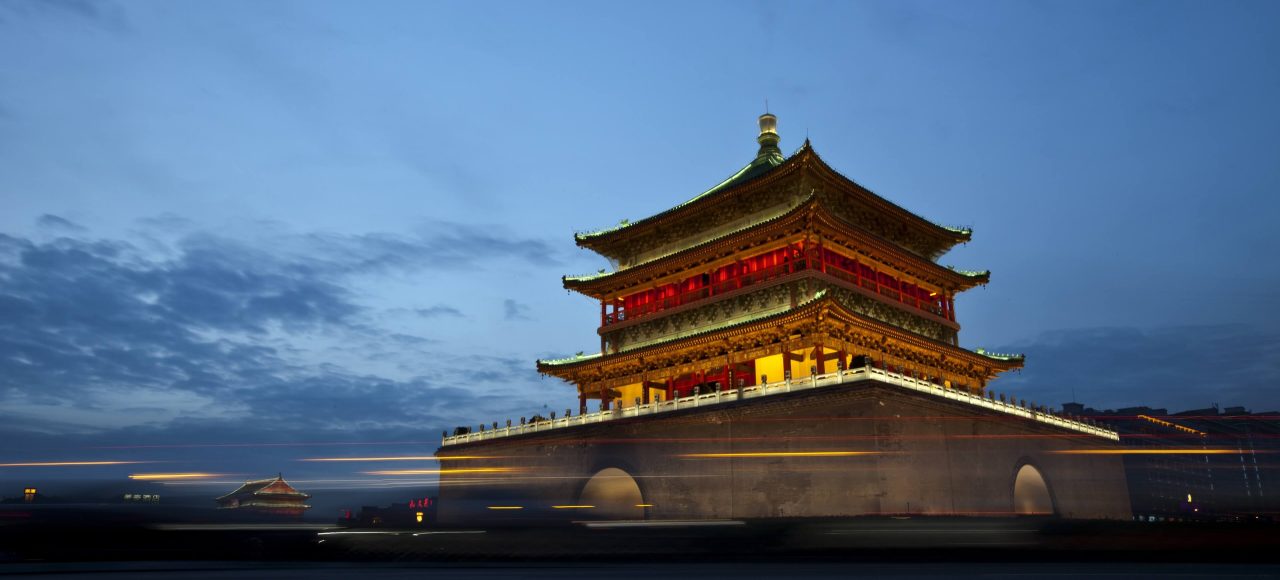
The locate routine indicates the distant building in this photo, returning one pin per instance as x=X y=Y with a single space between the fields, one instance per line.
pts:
x=29 y=495
x=1197 y=464
x=1245 y=486
x=268 y=496
x=398 y=515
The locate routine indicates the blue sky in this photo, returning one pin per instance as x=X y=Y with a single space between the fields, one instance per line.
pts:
x=235 y=222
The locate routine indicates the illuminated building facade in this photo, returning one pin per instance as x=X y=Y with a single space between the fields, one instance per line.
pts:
x=272 y=496
x=783 y=344
x=1200 y=464
x=786 y=268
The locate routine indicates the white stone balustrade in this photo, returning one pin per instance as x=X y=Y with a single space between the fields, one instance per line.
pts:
x=816 y=382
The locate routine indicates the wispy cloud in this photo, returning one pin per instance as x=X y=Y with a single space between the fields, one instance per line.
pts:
x=1177 y=368
x=438 y=311
x=512 y=310
x=53 y=222
x=215 y=330
x=102 y=13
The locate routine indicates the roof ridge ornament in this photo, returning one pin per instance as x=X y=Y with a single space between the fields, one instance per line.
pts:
x=768 y=138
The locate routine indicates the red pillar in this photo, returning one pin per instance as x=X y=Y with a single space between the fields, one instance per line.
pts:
x=670 y=388
x=582 y=402
x=603 y=316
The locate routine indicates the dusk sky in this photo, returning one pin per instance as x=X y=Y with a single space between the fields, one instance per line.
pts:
x=273 y=222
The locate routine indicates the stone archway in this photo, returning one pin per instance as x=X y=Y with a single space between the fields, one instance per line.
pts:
x=1031 y=495
x=614 y=494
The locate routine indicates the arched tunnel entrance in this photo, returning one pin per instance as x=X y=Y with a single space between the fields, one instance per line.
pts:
x=1031 y=494
x=614 y=494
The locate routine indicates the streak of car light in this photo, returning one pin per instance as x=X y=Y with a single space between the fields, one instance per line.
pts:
x=161 y=476
x=69 y=463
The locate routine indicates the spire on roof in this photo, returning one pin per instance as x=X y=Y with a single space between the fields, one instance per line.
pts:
x=768 y=138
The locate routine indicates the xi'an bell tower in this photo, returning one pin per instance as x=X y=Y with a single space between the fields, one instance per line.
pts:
x=781 y=345
x=785 y=269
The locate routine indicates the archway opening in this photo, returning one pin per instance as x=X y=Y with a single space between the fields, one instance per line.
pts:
x=614 y=495
x=1031 y=493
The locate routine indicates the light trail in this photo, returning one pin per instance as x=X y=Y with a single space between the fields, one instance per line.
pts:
x=159 y=476
x=401 y=458
x=1154 y=452
x=69 y=463
x=766 y=454
x=506 y=507
x=443 y=471
x=299 y=444
x=572 y=507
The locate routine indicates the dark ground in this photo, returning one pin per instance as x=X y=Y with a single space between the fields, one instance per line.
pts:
x=72 y=544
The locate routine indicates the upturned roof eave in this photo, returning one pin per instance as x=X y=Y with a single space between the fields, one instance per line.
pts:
x=964 y=279
x=959 y=235
x=600 y=240
x=763 y=166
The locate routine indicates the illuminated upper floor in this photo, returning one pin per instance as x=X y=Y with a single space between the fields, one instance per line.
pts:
x=774 y=264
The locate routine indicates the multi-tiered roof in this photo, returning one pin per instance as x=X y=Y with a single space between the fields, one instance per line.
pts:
x=272 y=495
x=786 y=261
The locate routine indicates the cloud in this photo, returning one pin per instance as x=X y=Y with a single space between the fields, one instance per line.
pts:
x=438 y=311
x=1184 y=367
x=54 y=222
x=435 y=245
x=102 y=334
x=513 y=310
x=102 y=13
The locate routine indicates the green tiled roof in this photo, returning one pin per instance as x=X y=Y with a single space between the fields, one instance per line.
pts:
x=743 y=321
x=1001 y=356
x=763 y=220
x=602 y=273
x=589 y=277
x=695 y=332
x=765 y=161
x=577 y=358
x=970 y=273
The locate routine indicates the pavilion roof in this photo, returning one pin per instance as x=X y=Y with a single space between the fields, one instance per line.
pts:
x=271 y=486
x=964 y=278
x=762 y=166
x=822 y=299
